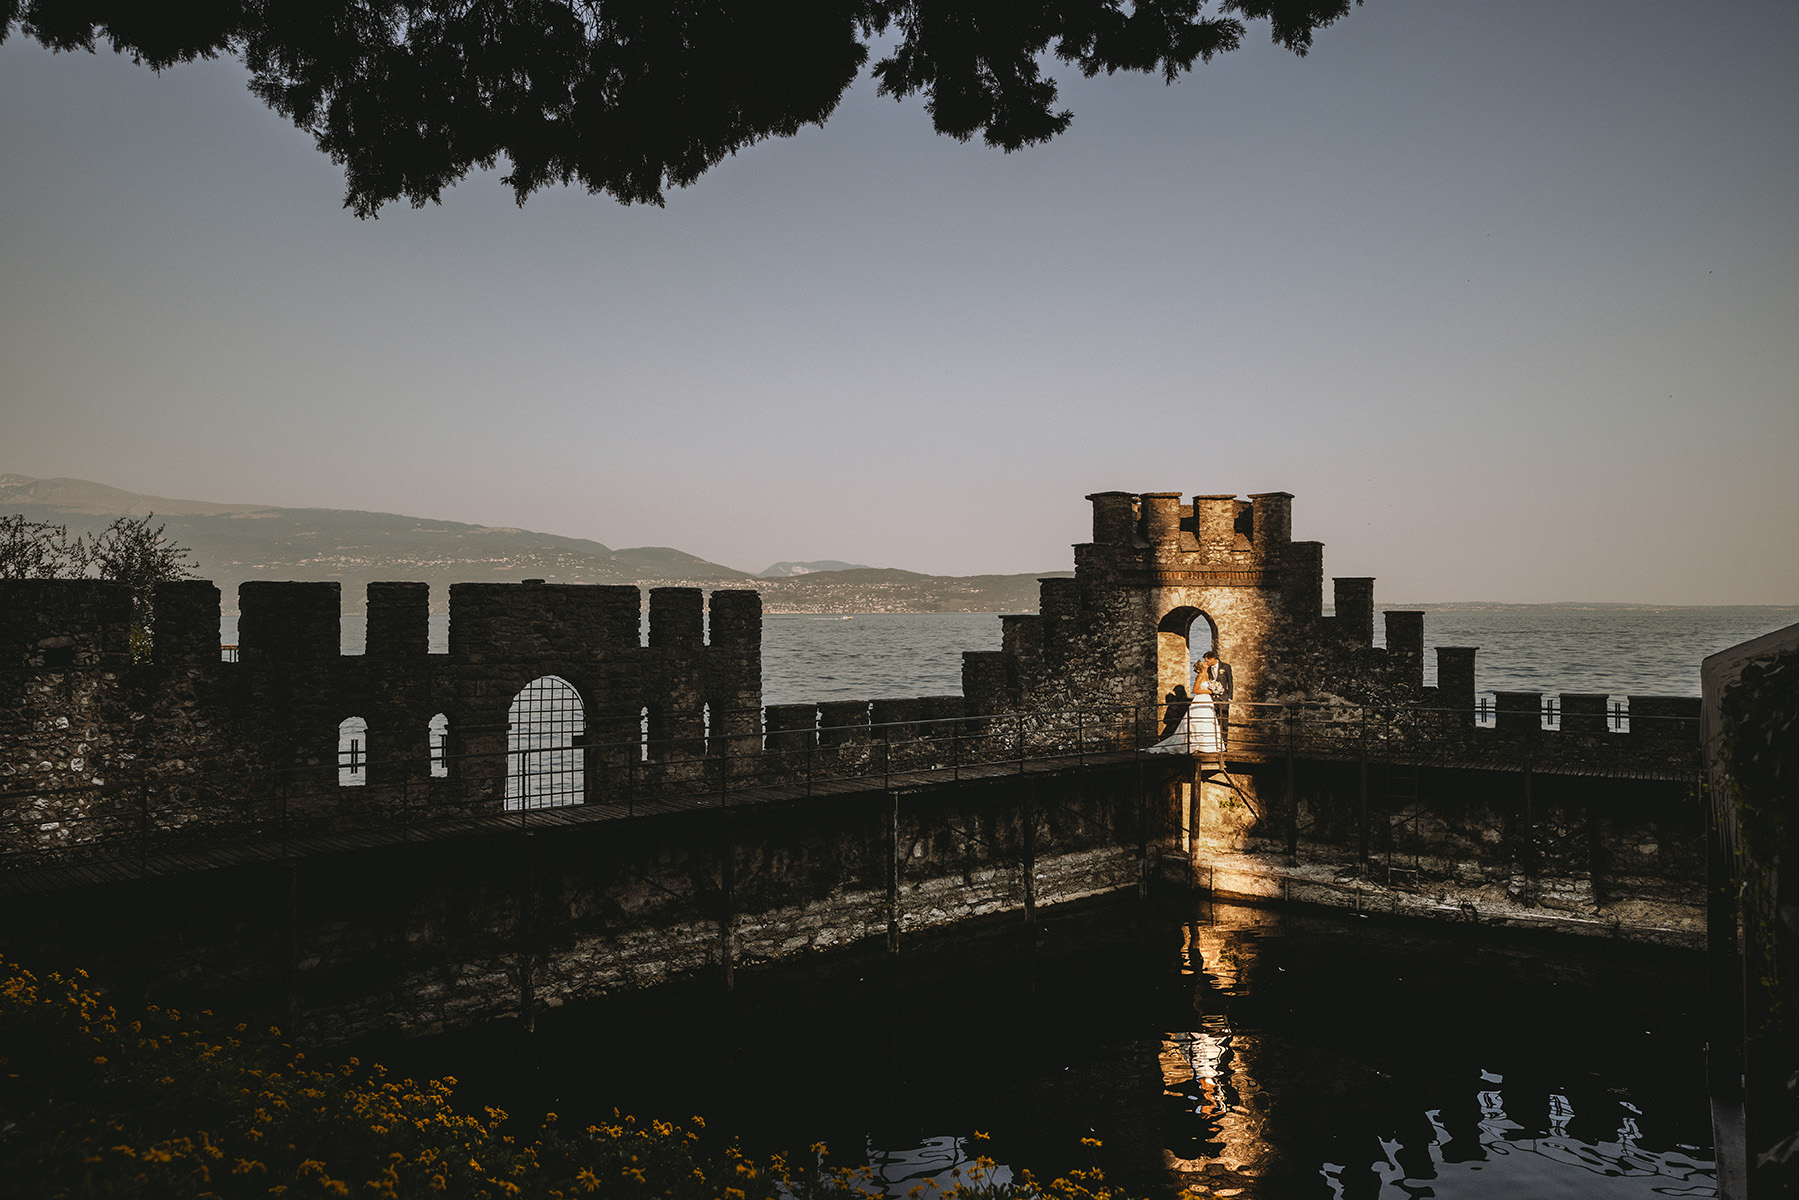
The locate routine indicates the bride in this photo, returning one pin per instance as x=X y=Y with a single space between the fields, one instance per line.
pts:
x=1197 y=732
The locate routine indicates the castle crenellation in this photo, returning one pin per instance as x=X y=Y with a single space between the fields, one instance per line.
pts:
x=679 y=702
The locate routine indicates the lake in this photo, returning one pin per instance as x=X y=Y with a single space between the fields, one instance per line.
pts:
x=1617 y=651
x=1621 y=652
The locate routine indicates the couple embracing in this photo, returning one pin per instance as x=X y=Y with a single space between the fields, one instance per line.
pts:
x=1202 y=729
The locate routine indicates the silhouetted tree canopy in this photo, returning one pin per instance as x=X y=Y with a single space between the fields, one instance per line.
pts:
x=629 y=97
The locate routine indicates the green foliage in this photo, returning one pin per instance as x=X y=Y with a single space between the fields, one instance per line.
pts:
x=152 y=1105
x=128 y=550
x=1761 y=751
x=1761 y=755
x=629 y=97
x=39 y=550
x=133 y=553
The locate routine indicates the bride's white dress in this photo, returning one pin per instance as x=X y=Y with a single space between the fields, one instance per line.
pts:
x=1197 y=732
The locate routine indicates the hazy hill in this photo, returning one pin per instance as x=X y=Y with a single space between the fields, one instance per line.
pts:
x=784 y=570
x=236 y=542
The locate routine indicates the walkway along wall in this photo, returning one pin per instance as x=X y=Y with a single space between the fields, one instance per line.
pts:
x=422 y=936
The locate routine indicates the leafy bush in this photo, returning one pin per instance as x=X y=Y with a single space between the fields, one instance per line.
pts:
x=99 y=1104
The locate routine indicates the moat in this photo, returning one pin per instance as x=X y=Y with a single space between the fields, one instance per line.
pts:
x=1284 y=1052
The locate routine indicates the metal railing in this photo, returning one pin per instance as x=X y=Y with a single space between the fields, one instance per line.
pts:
x=137 y=810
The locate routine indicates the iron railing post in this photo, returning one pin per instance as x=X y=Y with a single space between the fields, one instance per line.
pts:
x=1292 y=791
x=1362 y=794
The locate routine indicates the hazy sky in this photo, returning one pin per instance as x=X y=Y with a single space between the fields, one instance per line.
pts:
x=1506 y=294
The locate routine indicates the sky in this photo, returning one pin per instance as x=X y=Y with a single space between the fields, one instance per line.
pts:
x=1506 y=294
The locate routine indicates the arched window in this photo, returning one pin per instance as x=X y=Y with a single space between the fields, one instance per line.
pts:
x=1181 y=638
x=545 y=745
x=352 y=752
x=438 y=733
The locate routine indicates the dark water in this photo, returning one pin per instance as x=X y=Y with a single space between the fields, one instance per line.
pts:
x=1283 y=1054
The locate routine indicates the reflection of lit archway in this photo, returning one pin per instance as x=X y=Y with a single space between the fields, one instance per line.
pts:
x=1181 y=637
x=546 y=733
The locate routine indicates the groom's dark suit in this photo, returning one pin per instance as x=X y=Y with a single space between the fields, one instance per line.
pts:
x=1220 y=672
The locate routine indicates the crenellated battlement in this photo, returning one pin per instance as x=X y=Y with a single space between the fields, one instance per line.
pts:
x=1163 y=569
x=75 y=708
x=1219 y=532
x=545 y=683
x=64 y=623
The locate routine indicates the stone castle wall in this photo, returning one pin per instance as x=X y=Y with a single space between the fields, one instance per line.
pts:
x=1158 y=567
x=93 y=743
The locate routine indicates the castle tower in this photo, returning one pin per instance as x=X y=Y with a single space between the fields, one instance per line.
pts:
x=1215 y=569
x=1163 y=573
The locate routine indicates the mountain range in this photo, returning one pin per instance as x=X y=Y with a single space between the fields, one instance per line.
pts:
x=237 y=542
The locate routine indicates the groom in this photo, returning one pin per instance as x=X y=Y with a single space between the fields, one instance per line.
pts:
x=1219 y=672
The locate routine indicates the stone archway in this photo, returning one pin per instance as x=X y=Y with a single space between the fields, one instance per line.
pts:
x=1182 y=635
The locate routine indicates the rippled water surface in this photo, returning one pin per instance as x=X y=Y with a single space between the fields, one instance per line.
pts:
x=1279 y=1054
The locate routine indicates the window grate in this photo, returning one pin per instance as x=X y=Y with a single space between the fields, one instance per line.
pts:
x=546 y=731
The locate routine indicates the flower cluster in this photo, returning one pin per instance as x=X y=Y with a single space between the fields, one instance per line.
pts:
x=148 y=1105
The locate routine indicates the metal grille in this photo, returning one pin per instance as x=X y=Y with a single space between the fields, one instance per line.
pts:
x=547 y=730
x=352 y=752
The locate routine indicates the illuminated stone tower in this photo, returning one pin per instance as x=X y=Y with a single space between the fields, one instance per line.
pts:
x=1160 y=572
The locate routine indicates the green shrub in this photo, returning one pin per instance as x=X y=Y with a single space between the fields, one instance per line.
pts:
x=96 y=1104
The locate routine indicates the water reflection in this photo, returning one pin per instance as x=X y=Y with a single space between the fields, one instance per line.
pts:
x=1250 y=1053
x=1231 y=1135
x=932 y=1167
